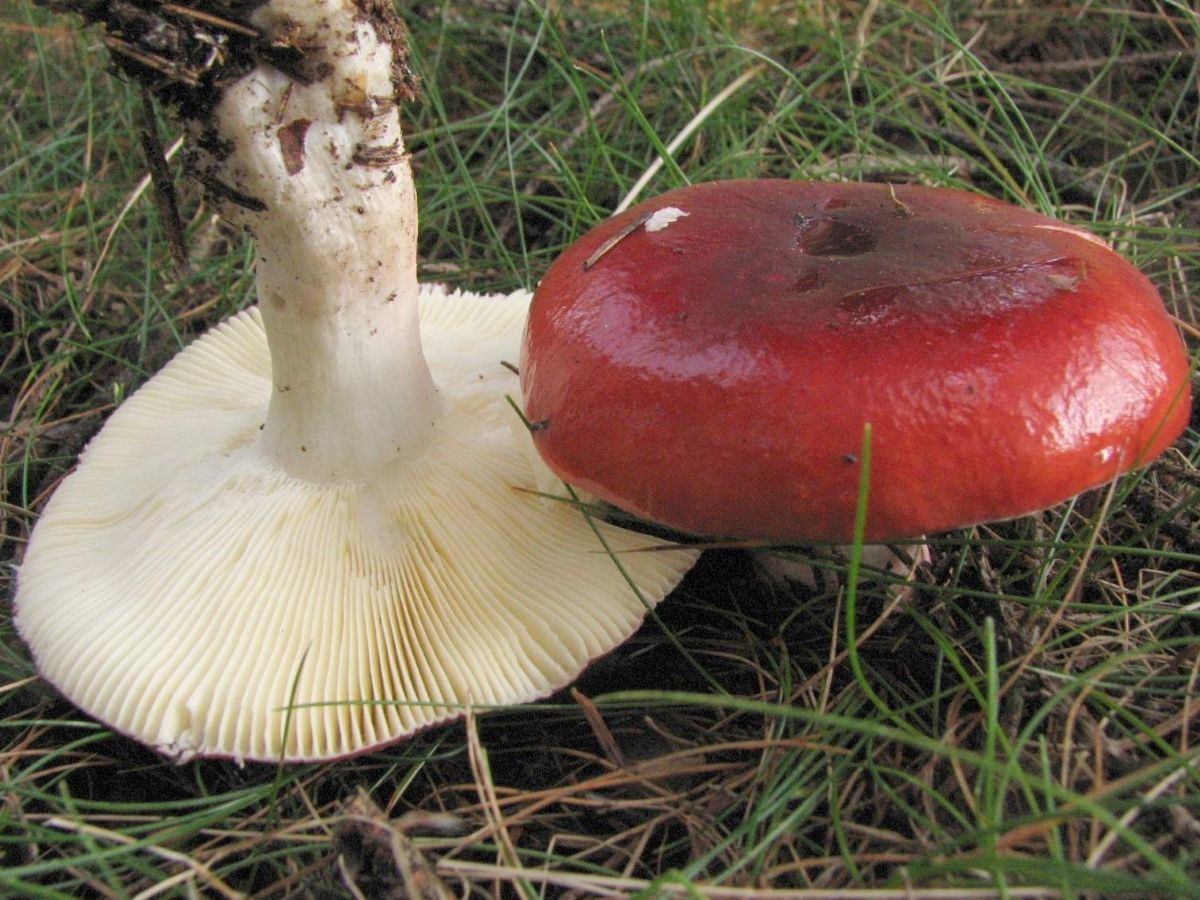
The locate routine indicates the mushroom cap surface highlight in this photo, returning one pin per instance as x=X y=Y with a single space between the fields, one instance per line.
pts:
x=183 y=588
x=709 y=360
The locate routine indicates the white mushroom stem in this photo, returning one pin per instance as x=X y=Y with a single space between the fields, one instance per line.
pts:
x=336 y=242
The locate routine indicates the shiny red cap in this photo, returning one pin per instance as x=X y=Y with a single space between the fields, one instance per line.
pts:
x=712 y=366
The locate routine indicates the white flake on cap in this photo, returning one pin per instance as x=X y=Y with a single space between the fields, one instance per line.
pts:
x=661 y=218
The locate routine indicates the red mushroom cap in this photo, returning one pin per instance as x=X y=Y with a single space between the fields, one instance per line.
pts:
x=716 y=374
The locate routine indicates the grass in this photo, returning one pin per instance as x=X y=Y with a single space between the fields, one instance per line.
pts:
x=1013 y=717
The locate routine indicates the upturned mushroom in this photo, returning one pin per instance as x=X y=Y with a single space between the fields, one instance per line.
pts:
x=711 y=358
x=306 y=536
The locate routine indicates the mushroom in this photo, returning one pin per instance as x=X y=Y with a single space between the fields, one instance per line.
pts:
x=710 y=360
x=307 y=536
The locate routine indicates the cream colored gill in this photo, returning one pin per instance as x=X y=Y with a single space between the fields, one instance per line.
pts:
x=187 y=590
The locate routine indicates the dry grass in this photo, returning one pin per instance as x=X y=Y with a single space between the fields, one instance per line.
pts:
x=1016 y=717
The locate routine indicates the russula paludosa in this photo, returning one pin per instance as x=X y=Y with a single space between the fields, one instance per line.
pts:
x=306 y=536
x=710 y=358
